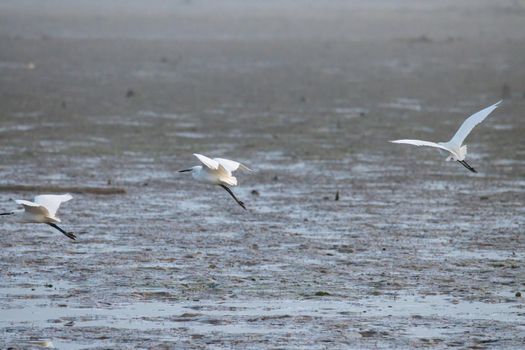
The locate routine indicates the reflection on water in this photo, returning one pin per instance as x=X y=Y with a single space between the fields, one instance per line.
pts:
x=174 y=314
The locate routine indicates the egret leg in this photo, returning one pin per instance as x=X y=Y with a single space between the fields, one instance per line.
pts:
x=466 y=165
x=10 y=213
x=231 y=194
x=67 y=234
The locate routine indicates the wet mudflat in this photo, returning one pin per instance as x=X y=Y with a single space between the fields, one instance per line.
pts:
x=416 y=252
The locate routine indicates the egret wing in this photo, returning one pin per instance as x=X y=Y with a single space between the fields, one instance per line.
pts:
x=231 y=165
x=470 y=123
x=421 y=143
x=226 y=176
x=210 y=163
x=33 y=208
x=52 y=202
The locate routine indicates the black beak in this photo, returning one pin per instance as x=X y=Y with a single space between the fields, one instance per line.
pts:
x=185 y=170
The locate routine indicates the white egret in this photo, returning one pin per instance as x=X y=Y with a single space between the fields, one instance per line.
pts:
x=217 y=171
x=455 y=146
x=43 y=210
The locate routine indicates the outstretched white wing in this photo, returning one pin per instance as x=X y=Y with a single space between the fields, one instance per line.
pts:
x=470 y=123
x=52 y=201
x=208 y=162
x=421 y=143
x=231 y=165
x=33 y=208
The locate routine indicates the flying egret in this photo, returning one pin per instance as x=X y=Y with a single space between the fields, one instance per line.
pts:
x=217 y=171
x=455 y=146
x=42 y=209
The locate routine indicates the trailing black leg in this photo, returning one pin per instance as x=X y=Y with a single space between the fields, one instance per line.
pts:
x=10 y=213
x=231 y=194
x=466 y=165
x=67 y=234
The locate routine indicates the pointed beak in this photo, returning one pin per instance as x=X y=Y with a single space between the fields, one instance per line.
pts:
x=185 y=170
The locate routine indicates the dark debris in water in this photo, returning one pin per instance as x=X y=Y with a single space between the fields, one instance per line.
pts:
x=62 y=189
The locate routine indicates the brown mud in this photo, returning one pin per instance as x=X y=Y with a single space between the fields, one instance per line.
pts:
x=417 y=252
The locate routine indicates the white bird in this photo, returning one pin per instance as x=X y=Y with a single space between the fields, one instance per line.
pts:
x=43 y=210
x=217 y=171
x=455 y=146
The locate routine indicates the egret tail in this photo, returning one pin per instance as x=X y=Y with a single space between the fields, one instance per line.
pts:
x=67 y=234
x=466 y=165
x=233 y=196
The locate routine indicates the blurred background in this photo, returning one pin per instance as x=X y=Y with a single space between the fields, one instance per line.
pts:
x=119 y=94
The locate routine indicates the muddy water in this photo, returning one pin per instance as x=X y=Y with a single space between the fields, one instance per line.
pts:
x=417 y=252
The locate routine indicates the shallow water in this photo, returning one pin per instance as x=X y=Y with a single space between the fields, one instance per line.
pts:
x=417 y=252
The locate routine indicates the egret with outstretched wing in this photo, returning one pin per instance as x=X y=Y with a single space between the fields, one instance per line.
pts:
x=217 y=171
x=43 y=209
x=455 y=146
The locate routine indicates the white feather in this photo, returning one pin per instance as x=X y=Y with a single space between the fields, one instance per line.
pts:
x=469 y=124
x=217 y=171
x=33 y=208
x=423 y=143
x=52 y=202
x=208 y=162
x=231 y=165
